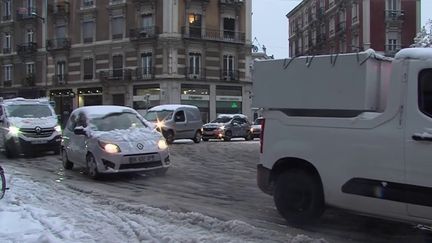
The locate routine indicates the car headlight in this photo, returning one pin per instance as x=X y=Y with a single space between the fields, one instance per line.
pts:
x=251 y=129
x=110 y=147
x=58 y=128
x=162 y=144
x=14 y=131
x=222 y=128
x=160 y=124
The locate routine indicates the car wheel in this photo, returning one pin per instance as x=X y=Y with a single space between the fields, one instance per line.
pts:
x=161 y=171
x=66 y=163
x=227 y=136
x=169 y=136
x=197 y=137
x=92 y=167
x=205 y=139
x=299 y=197
x=249 y=136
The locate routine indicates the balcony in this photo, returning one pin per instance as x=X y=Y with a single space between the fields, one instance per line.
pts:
x=192 y=74
x=143 y=33
x=59 y=9
x=144 y=73
x=214 y=35
x=7 y=83
x=59 y=79
x=230 y=75
x=394 y=15
x=116 y=74
x=231 y=2
x=58 y=44
x=27 y=49
x=29 y=80
x=26 y=13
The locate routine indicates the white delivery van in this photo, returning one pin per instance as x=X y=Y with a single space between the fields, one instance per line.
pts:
x=352 y=131
x=28 y=126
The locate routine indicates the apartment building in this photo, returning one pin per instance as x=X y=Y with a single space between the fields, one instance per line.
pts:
x=142 y=53
x=22 y=52
x=339 y=26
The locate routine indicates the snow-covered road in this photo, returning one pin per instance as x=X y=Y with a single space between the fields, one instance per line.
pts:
x=208 y=195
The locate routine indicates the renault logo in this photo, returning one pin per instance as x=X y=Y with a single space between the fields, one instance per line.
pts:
x=140 y=146
x=38 y=130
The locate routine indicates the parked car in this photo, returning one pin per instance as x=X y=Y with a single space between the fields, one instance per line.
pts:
x=176 y=121
x=28 y=126
x=228 y=126
x=256 y=128
x=111 y=139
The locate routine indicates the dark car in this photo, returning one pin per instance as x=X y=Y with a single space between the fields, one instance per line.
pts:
x=228 y=126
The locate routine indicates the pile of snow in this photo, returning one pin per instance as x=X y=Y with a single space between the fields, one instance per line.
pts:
x=55 y=212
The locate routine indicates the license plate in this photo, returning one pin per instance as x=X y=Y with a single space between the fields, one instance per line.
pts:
x=39 y=142
x=142 y=158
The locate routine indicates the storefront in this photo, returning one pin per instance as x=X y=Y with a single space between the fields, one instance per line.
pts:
x=89 y=96
x=146 y=97
x=63 y=100
x=228 y=100
x=199 y=96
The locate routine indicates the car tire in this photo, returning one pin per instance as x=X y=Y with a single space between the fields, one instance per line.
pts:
x=205 y=139
x=299 y=197
x=198 y=136
x=169 y=136
x=161 y=172
x=65 y=161
x=227 y=136
x=91 y=167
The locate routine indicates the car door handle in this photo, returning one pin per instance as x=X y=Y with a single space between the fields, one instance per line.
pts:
x=422 y=137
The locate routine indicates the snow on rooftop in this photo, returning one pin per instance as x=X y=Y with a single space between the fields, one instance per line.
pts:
x=415 y=53
x=171 y=107
x=101 y=110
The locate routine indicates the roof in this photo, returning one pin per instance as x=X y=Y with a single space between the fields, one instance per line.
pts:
x=415 y=53
x=102 y=110
x=171 y=107
x=294 y=10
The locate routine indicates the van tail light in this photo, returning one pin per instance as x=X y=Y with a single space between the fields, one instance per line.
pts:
x=262 y=135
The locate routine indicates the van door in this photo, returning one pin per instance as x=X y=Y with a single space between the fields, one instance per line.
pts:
x=180 y=124
x=418 y=141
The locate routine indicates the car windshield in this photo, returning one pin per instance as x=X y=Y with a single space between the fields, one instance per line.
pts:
x=158 y=115
x=223 y=119
x=29 y=111
x=258 y=121
x=113 y=121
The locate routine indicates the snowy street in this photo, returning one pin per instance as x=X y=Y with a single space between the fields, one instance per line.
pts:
x=208 y=195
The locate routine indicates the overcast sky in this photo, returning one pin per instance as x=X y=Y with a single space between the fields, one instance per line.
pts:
x=270 y=26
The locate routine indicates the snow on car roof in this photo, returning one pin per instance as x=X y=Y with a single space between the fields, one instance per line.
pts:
x=20 y=100
x=232 y=115
x=414 y=53
x=170 y=107
x=101 y=110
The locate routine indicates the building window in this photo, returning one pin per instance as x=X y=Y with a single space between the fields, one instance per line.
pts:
x=354 y=12
x=88 y=31
x=146 y=64
x=332 y=26
x=30 y=68
x=392 y=4
x=30 y=36
x=60 y=31
x=7 y=10
x=7 y=71
x=195 y=25
x=392 y=45
x=88 y=3
x=117 y=64
x=61 y=71
x=88 y=68
x=117 y=27
x=194 y=64
x=228 y=72
x=229 y=28
x=146 y=21
x=7 y=43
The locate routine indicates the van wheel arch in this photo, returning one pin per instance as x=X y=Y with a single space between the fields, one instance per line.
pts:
x=285 y=164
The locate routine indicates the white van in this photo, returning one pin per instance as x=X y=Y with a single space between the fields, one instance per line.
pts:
x=177 y=121
x=28 y=126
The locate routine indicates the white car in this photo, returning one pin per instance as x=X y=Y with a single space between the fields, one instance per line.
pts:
x=111 y=139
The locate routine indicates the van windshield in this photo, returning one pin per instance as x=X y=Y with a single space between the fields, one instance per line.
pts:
x=158 y=115
x=28 y=111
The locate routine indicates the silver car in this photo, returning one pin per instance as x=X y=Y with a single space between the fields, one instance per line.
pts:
x=111 y=139
x=227 y=126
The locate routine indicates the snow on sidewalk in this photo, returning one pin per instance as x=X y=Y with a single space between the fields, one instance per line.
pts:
x=39 y=212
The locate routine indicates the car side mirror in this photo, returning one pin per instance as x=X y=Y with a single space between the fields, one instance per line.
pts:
x=79 y=131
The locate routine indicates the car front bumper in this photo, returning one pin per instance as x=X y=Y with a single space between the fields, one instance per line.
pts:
x=22 y=145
